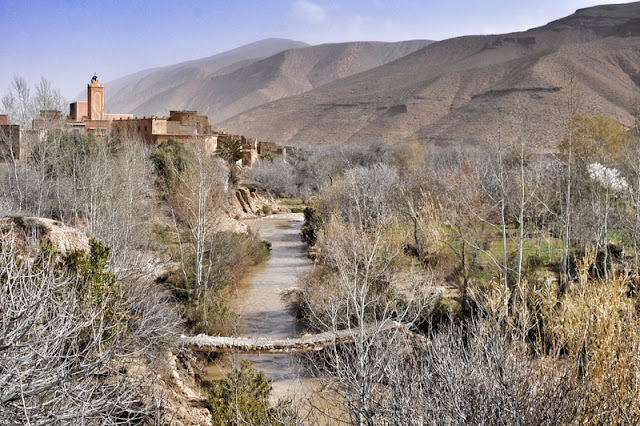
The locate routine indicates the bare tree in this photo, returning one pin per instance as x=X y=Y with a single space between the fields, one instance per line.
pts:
x=464 y=207
x=363 y=193
x=36 y=181
x=573 y=101
x=116 y=201
x=18 y=103
x=356 y=290
x=65 y=341
x=276 y=176
x=496 y=180
x=634 y=166
x=196 y=203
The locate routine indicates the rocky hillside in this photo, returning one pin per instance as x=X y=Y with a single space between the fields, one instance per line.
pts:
x=458 y=90
x=128 y=93
x=224 y=92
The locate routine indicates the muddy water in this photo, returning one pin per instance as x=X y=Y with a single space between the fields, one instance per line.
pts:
x=258 y=302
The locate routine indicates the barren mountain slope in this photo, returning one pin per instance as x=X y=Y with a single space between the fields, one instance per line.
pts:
x=531 y=96
x=461 y=89
x=284 y=74
x=128 y=92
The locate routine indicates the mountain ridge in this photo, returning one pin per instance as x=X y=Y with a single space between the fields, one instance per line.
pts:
x=242 y=86
x=128 y=92
x=450 y=91
x=456 y=90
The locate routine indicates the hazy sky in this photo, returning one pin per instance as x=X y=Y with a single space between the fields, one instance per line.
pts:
x=67 y=41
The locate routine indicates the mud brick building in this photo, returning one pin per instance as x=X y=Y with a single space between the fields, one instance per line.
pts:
x=187 y=127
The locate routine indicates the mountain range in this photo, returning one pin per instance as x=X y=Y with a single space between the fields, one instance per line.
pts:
x=471 y=89
x=232 y=82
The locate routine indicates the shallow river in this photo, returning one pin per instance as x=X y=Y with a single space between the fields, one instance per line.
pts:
x=258 y=301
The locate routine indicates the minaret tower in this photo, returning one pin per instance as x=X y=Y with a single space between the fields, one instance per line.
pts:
x=95 y=99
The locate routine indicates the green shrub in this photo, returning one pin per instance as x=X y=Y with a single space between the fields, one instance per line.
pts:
x=440 y=314
x=169 y=161
x=89 y=271
x=242 y=398
x=228 y=258
x=209 y=315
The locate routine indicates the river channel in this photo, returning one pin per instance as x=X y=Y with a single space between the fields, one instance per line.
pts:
x=258 y=302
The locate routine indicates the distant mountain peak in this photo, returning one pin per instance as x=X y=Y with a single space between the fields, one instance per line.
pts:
x=230 y=82
x=129 y=92
x=603 y=20
x=453 y=90
x=456 y=90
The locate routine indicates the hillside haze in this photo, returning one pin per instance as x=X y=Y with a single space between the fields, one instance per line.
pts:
x=471 y=89
x=126 y=94
x=233 y=82
x=459 y=90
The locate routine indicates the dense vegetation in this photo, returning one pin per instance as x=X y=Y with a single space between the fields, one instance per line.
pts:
x=242 y=398
x=156 y=212
x=511 y=271
x=515 y=269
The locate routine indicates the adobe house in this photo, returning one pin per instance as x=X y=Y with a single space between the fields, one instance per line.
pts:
x=15 y=140
x=90 y=116
x=10 y=139
x=271 y=148
x=187 y=127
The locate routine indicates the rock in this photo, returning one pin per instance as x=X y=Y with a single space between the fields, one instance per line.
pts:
x=244 y=192
x=241 y=201
x=24 y=230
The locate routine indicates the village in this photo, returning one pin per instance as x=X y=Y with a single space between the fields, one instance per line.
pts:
x=422 y=227
x=90 y=118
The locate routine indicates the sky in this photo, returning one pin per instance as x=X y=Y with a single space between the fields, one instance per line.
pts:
x=67 y=42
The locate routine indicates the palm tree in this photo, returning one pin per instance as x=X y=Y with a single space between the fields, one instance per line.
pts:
x=231 y=151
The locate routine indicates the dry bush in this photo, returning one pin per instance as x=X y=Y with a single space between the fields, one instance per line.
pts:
x=567 y=358
x=77 y=345
x=275 y=176
x=480 y=374
x=597 y=323
x=68 y=335
x=431 y=231
x=563 y=358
